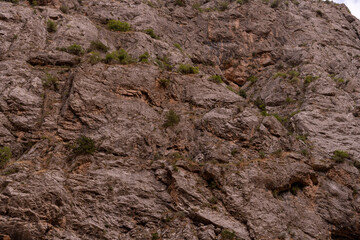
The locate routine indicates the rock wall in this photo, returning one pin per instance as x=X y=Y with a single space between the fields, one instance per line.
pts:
x=244 y=149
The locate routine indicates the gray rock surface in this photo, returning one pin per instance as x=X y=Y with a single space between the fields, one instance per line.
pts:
x=250 y=157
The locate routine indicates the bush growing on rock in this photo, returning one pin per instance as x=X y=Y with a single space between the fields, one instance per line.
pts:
x=227 y=235
x=84 y=145
x=50 y=82
x=188 y=69
x=164 y=63
x=164 y=82
x=75 y=49
x=120 y=56
x=5 y=155
x=51 y=26
x=98 y=45
x=172 y=119
x=339 y=156
x=216 y=79
x=144 y=58
x=116 y=25
x=151 y=33
x=94 y=58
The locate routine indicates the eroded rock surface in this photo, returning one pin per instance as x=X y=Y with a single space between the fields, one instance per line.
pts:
x=250 y=156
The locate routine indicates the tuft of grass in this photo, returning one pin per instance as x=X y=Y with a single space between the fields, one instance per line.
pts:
x=178 y=46
x=51 y=26
x=5 y=155
x=172 y=119
x=261 y=105
x=164 y=63
x=282 y=120
x=155 y=236
x=144 y=58
x=164 y=82
x=50 y=82
x=261 y=154
x=309 y=78
x=73 y=49
x=116 y=25
x=84 y=145
x=234 y=152
x=180 y=3
x=223 y=6
x=120 y=56
x=252 y=79
x=242 y=93
x=64 y=9
x=301 y=137
x=227 y=235
x=216 y=79
x=275 y=4
x=94 y=57
x=280 y=74
x=99 y=46
x=151 y=33
x=339 y=156
x=188 y=69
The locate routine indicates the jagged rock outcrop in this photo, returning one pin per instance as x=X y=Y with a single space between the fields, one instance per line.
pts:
x=243 y=149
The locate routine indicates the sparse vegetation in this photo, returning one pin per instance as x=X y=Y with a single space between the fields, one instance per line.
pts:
x=309 y=78
x=164 y=63
x=280 y=74
x=99 y=46
x=50 y=82
x=188 y=69
x=151 y=33
x=178 y=46
x=216 y=79
x=261 y=105
x=120 y=56
x=252 y=79
x=84 y=145
x=51 y=26
x=5 y=155
x=172 y=119
x=275 y=4
x=73 y=49
x=164 y=82
x=116 y=25
x=339 y=156
x=234 y=152
x=242 y=93
x=155 y=236
x=223 y=6
x=180 y=3
x=94 y=57
x=64 y=9
x=261 y=154
x=144 y=58
x=227 y=235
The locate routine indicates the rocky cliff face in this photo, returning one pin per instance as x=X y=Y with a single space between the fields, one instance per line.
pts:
x=263 y=142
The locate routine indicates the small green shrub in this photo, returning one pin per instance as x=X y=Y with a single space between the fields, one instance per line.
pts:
x=339 y=156
x=261 y=154
x=242 y=1
x=151 y=33
x=84 y=145
x=227 y=235
x=216 y=79
x=234 y=152
x=252 y=79
x=73 y=49
x=164 y=82
x=260 y=104
x=12 y=1
x=50 y=82
x=172 y=119
x=282 y=120
x=188 y=69
x=309 y=78
x=178 y=46
x=293 y=73
x=280 y=74
x=223 y=6
x=116 y=25
x=120 y=56
x=242 y=93
x=94 y=58
x=144 y=58
x=180 y=3
x=304 y=152
x=155 y=236
x=64 y=9
x=164 y=63
x=99 y=46
x=5 y=155
x=301 y=137
x=197 y=7
x=275 y=4
x=51 y=26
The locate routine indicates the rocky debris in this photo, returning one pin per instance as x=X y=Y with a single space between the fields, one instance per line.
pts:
x=246 y=153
